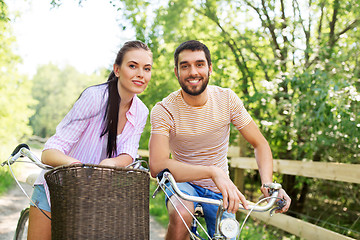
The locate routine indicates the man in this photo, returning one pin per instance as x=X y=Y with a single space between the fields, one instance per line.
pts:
x=193 y=124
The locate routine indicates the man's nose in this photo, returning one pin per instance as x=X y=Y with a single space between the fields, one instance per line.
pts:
x=193 y=71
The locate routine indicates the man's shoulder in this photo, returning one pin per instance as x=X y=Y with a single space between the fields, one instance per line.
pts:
x=171 y=100
x=219 y=91
x=172 y=97
x=168 y=103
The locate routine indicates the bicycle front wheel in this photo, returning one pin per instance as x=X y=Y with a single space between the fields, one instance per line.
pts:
x=22 y=226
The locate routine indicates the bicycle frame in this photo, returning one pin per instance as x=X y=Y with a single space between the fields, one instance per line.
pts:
x=165 y=176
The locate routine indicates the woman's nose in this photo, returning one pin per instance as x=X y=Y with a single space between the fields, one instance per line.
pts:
x=140 y=72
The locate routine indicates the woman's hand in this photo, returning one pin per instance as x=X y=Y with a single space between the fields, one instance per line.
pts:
x=120 y=161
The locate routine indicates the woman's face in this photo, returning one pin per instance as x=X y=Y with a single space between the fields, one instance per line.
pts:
x=135 y=71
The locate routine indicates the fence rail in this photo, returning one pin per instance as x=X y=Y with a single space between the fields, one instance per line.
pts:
x=329 y=171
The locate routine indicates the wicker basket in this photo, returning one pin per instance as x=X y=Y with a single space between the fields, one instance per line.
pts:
x=98 y=202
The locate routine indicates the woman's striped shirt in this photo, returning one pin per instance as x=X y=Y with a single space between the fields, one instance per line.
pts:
x=78 y=134
x=200 y=135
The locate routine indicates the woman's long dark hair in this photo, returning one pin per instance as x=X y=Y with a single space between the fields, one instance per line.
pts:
x=112 y=107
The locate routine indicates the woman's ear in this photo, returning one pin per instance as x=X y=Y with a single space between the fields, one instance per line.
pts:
x=116 y=70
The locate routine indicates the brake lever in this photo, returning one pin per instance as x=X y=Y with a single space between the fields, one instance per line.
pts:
x=161 y=181
x=280 y=204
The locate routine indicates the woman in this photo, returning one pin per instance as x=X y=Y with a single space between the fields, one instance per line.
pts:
x=103 y=127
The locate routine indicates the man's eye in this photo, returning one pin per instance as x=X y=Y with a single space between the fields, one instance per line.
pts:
x=184 y=66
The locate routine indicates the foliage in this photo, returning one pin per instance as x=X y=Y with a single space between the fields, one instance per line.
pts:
x=6 y=181
x=293 y=64
x=15 y=98
x=56 y=90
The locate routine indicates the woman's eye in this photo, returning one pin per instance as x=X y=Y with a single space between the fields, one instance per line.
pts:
x=148 y=69
x=132 y=66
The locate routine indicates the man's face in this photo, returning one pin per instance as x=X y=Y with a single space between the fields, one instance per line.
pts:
x=193 y=72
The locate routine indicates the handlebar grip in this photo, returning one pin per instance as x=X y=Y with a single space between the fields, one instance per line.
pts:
x=17 y=149
x=160 y=175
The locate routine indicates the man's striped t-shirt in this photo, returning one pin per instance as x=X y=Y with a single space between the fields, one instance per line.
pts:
x=200 y=135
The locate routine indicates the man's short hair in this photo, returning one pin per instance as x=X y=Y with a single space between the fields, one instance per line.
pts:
x=192 y=45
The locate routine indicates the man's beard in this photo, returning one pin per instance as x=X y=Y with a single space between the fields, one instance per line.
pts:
x=192 y=90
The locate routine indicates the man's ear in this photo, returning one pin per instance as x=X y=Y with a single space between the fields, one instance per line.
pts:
x=210 y=69
x=176 y=72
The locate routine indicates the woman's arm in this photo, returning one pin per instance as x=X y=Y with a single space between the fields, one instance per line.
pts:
x=54 y=157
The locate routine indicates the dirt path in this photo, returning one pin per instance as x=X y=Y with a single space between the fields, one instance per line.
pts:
x=14 y=201
x=11 y=205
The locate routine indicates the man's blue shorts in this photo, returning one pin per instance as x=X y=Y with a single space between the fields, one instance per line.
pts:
x=39 y=197
x=209 y=209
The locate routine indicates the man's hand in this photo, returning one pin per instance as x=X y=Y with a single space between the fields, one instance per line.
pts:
x=231 y=194
x=282 y=195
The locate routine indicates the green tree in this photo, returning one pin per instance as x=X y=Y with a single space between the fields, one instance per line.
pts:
x=15 y=97
x=56 y=90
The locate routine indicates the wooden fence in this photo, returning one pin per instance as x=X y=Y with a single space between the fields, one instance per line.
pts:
x=322 y=170
x=329 y=171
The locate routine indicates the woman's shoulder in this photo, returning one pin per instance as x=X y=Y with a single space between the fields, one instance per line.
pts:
x=92 y=99
x=95 y=90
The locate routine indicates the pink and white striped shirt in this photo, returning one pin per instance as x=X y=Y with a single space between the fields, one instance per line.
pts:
x=78 y=134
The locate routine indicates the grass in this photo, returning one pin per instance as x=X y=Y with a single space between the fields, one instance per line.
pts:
x=6 y=180
x=157 y=206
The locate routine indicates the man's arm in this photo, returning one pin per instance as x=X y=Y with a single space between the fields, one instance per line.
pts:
x=159 y=159
x=183 y=172
x=262 y=150
x=263 y=157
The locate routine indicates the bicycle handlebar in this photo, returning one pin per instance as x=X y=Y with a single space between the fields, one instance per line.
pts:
x=165 y=175
x=23 y=150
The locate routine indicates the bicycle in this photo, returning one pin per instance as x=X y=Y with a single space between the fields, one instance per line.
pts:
x=224 y=228
x=23 y=150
